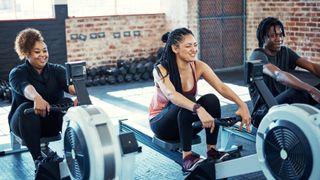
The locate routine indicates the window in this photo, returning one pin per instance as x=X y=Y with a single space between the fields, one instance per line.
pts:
x=80 y=8
x=22 y=9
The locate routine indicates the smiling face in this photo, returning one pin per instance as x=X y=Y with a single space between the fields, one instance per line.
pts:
x=186 y=50
x=38 y=56
x=274 y=39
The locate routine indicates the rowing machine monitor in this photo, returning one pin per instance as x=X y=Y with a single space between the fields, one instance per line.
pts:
x=76 y=75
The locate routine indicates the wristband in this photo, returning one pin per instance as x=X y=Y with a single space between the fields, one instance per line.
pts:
x=195 y=108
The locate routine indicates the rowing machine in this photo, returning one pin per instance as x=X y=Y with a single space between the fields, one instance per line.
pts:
x=93 y=148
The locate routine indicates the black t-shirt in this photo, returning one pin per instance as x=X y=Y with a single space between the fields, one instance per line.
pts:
x=50 y=84
x=285 y=60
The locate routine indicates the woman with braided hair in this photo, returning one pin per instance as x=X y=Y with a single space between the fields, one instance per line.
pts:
x=174 y=106
x=279 y=64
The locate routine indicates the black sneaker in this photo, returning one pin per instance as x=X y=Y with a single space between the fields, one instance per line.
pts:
x=217 y=155
x=222 y=156
x=190 y=162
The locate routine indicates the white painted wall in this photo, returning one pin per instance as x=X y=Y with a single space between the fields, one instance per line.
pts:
x=60 y=2
x=176 y=12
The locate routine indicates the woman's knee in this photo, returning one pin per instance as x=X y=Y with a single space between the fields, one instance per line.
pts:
x=24 y=106
x=21 y=108
x=19 y=116
x=209 y=100
x=25 y=117
x=211 y=103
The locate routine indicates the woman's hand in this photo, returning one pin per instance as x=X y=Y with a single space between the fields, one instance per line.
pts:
x=41 y=106
x=206 y=119
x=243 y=112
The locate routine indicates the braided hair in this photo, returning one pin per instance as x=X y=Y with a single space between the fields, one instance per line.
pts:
x=265 y=24
x=168 y=57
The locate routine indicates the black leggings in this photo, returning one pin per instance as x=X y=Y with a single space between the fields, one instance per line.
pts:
x=32 y=127
x=175 y=123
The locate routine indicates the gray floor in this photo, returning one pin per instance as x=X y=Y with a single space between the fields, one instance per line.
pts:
x=131 y=101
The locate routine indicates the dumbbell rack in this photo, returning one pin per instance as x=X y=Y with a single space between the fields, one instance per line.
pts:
x=5 y=91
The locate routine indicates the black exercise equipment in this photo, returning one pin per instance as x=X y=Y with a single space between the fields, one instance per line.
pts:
x=76 y=75
x=148 y=66
x=102 y=80
x=95 y=80
x=137 y=77
x=89 y=81
x=128 y=77
x=133 y=68
x=254 y=75
x=145 y=76
x=140 y=67
x=119 y=78
x=111 y=79
x=225 y=122
x=5 y=91
x=122 y=70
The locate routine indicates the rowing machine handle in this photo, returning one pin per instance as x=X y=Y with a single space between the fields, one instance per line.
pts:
x=53 y=108
x=227 y=122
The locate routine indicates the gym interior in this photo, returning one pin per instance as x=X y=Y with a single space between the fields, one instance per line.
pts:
x=109 y=49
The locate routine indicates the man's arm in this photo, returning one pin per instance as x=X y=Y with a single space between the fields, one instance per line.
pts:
x=290 y=80
x=311 y=66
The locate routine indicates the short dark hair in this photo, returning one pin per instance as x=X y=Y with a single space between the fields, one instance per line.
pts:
x=263 y=27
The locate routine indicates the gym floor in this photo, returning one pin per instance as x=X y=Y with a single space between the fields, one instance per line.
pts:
x=131 y=101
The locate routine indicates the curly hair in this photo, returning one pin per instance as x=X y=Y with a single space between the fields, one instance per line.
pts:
x=264 y=26
x=25 y=41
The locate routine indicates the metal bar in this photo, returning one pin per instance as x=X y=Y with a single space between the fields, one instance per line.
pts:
x=237 y=166
x=220 y=17
x=244 y=35
x=13 y=151
x=147 y=140
x=243 y=134
x=265 y=92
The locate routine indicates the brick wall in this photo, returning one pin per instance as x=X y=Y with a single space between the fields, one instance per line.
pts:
x=301 y=20
x=94 y=39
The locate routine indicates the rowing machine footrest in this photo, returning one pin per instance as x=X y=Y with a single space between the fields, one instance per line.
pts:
x=173 y=144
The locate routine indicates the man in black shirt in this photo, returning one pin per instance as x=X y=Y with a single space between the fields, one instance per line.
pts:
x=36 y=84
x=279 y=62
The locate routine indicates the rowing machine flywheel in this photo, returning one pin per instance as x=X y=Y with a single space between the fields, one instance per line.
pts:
x=93 y=146
x=288 y=140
